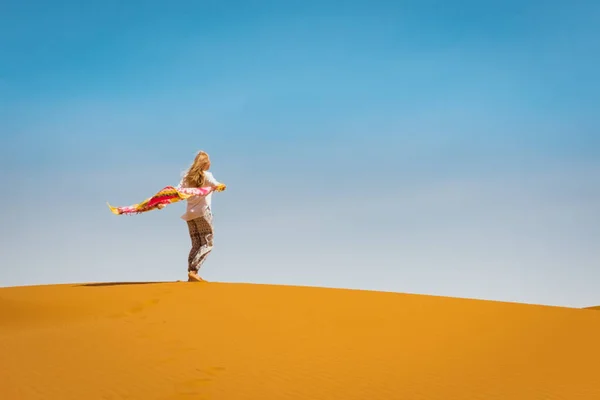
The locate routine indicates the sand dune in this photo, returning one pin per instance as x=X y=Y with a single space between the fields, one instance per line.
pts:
x=234 y=341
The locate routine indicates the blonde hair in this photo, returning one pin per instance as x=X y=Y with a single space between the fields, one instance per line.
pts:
x=194 y=177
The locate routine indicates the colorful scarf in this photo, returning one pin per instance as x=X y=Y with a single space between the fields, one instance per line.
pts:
x=166 y=196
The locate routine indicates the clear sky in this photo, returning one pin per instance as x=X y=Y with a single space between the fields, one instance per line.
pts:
x=438 y=147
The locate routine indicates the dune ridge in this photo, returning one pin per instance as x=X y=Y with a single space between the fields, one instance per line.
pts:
x=242 y=341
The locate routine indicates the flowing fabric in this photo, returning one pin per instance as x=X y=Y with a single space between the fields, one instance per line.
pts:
x=164 y=197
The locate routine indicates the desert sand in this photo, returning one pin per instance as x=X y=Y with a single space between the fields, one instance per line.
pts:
x=240 y=341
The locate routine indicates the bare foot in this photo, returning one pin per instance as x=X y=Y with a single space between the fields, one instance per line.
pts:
x=193 y=277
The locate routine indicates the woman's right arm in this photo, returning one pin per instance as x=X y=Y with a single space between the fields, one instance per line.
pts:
x=212 y=182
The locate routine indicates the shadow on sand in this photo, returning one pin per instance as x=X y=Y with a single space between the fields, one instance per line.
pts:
x=100 y=284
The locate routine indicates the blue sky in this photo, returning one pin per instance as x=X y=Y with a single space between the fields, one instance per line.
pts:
x=447 y=148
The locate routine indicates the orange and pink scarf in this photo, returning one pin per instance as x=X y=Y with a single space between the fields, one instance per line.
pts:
x=164 y=197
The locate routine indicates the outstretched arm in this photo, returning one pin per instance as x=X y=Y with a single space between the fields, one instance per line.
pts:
x=212 y=182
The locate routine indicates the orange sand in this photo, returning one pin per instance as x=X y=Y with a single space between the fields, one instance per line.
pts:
x=234 y=341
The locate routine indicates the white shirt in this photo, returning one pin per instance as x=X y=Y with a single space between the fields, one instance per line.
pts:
x=197 y=205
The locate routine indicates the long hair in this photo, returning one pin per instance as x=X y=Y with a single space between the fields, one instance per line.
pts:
x=194 y=177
